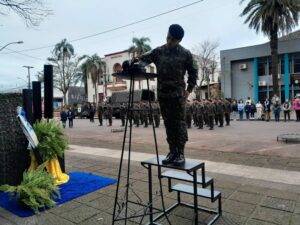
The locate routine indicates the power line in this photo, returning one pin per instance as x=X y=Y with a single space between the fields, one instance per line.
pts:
x=113 y=29
x=19 y=52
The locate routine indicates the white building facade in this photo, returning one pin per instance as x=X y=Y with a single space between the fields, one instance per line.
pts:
x=107 y=84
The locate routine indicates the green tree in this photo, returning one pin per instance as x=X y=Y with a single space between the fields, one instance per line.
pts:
x=272 y=17
x=140 y=46
x=96 y=67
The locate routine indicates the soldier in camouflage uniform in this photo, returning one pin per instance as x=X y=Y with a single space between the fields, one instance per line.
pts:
x=200 y=114
x=109 y=113
x=122 y=114
x=228 y=110
x=100 y=111
x=136 y=114
x=145 y=112
x=141 y=113
x=220 y=108
x=211 y=111
x=215 y=101
x=172 y=61
x=188 y=114
x=194 y=114
x=205 y=113
x=156 y=113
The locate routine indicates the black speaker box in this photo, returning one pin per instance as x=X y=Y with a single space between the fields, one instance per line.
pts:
x=48 y=91
x=27 y=104
x=37 y=100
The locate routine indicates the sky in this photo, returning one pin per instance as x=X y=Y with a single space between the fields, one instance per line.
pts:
x=216 y=20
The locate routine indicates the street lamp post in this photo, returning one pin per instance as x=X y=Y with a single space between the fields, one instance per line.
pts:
x=28 y=67
x=16 y=42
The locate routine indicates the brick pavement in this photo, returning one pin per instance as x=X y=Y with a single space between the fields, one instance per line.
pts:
x=245 y=201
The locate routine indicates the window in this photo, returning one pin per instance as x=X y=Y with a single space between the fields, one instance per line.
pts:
x=280 y=66
x=262 y=67
x=296 y=65
x=118 y=68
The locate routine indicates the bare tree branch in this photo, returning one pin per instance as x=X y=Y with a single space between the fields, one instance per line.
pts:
x=206 y=56
x=31 y=11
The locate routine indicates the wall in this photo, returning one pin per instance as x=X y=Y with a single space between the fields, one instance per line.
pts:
x=242 y=80
x=14 y=156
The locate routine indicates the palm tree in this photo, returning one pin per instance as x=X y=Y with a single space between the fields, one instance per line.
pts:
x=139 y=47
x=272 y=17
x=63 y=51
x=94 y=65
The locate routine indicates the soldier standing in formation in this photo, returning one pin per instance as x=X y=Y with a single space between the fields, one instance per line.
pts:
x=228 y=110
x=109 y=113
x=145 y=110
x=172 y=61
x=211 y=111
x=200 y=114
x=156 y=113
x=122 y=114
x=100 y=113
x=194 y=112
x=220 y=112
x=136 y=114
x=188 y=114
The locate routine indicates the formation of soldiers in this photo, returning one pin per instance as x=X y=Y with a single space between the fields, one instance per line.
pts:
x=139 y=115
x=209 y=112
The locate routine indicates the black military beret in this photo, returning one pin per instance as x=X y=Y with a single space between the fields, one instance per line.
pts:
x=176 y=31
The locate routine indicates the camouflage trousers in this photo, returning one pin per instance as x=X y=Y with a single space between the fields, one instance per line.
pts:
x=173 y=114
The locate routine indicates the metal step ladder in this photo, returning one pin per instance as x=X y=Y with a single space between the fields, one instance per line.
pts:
x=199 y=186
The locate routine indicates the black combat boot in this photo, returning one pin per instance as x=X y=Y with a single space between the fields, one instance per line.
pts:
x=171 y=156
x=179 y=160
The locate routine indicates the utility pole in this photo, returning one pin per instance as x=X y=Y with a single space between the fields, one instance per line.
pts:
x=29 y=67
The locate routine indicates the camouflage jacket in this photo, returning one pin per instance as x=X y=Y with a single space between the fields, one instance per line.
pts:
x=172 y=65
x=228 y=107
x=200 y=109
x=211 y=109
x=188 y=109
x=100 y=110
x=220 y=108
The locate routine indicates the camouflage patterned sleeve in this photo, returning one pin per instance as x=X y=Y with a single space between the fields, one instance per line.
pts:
x=149 y=57
x=192 y=69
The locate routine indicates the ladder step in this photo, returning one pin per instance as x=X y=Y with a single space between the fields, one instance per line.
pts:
x=205 y=193
x=186 y=177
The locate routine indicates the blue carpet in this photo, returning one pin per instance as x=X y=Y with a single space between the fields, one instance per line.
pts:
x=79 y=184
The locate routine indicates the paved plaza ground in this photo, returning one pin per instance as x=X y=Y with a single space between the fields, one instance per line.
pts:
x=259 y=177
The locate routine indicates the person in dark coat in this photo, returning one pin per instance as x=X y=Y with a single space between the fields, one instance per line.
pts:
x=247 y=110
x=277 y=110
x=70 y=117
x=252 y=110
x=63 y=118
